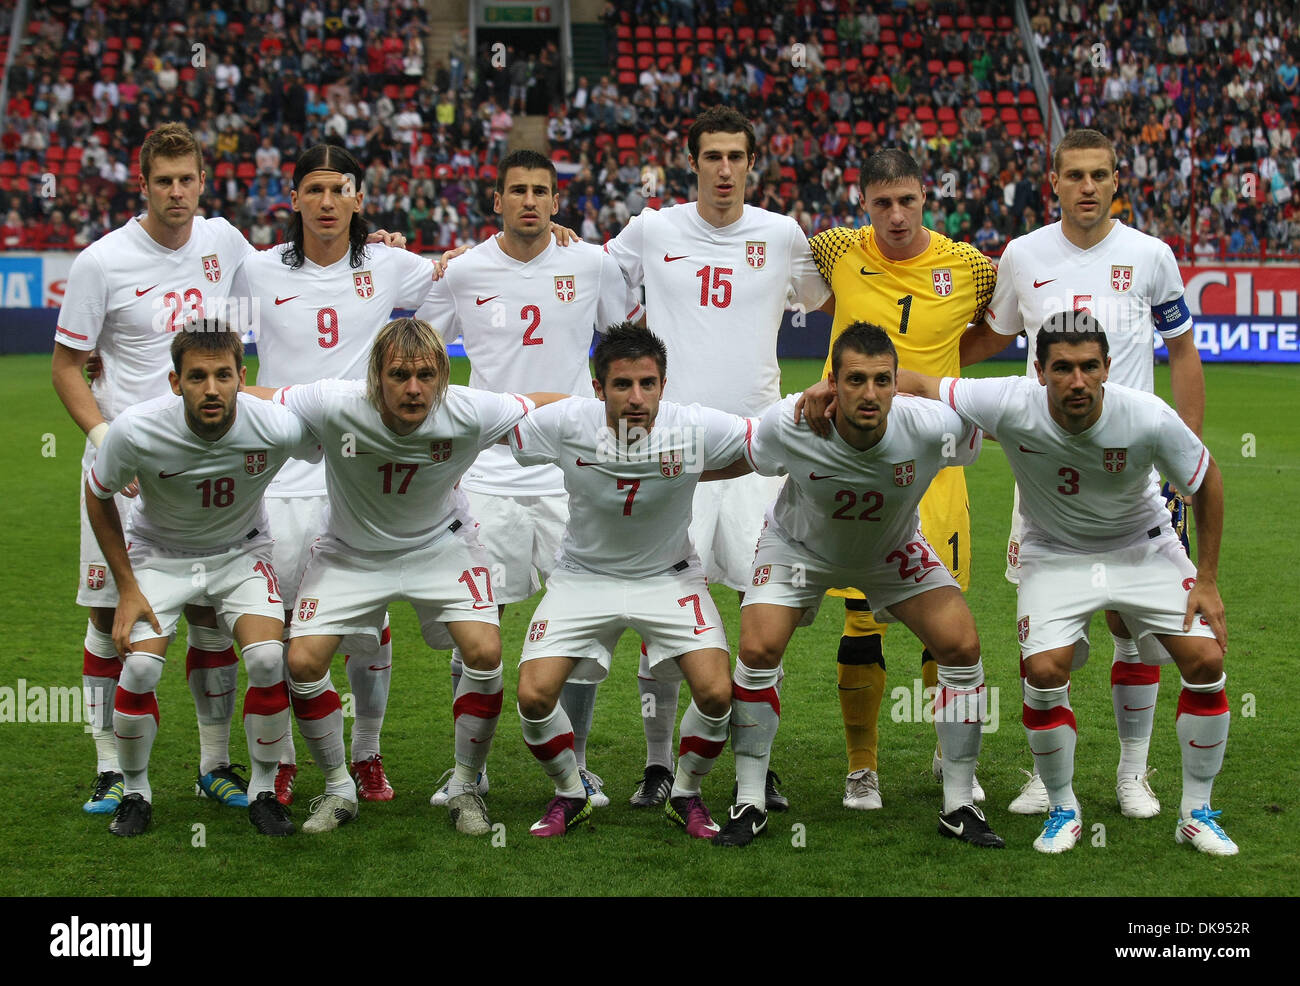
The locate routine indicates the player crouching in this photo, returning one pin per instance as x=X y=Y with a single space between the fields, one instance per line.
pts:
x=198 y=535
x=848 y=515
x=631 y=464
x=1097 y=537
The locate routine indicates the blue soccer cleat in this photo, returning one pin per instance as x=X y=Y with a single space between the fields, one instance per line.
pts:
x=224 y=786
x=107 y=794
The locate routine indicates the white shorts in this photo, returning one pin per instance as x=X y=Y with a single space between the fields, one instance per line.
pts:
x=583 y=615
x=726 y=519
x=95 y=585
x=296 y=522
x=1147 y=583
x=235 y=582
x=522 y=536
x=346 y=591
x=786 y=574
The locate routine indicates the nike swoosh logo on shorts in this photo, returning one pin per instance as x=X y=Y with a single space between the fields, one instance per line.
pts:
x=700 y=630
x=484 y=605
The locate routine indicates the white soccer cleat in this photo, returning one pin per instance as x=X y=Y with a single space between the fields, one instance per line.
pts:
x=1136 y=799
x=1061 y=831
x=443 y=794
x=1204 y=833
x=936 y=768
x=328 y=812
x=862 y=790
x=595 y=788
x=469 y=813
x=1032 y=799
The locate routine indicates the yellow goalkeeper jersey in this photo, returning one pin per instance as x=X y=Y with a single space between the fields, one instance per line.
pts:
x=925 y=304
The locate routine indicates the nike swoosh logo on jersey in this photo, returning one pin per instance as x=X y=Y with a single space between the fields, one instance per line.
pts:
x=263 y=742
x=954 y=829
x=581 y=463
x=867 y=273
x=281 y=301
x=700 y=630
x=169 y=475
x=1199 y=747
x=484 y=301
x=669 y=260
x=1039 y=284
x=140 y=294
x=814 y=476
x=384 y=668
x=1031 y=451
x=1129 y=708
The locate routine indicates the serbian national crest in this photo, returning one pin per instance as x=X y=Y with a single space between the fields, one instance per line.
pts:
x=1022 y=629
x=942 y=281
x=1013 y=554
x=212 y=268
x=756 y=253
x=1114 y=459
x=537 y=631
x=762 y=574
x=364 y=284
x=95 y=575
x=670 y=463
x=255 y=463
x=904 y=472
x=307 y=608
x=1121 y=278
x=565 y=288
x=440 y=451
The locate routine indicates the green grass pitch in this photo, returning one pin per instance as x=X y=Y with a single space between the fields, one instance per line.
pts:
x=818 y=848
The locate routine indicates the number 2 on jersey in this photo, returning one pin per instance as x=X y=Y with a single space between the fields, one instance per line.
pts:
x=535 y=313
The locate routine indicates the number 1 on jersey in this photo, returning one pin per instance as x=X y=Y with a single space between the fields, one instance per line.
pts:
x=904 y=303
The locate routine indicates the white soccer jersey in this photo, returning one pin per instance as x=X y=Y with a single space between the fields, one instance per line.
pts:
x=1089 y=492
x=1129 y=281
x=848 y=506
x=390 y=491
x=629 y=504
x=318 y=323
x=197 y=495
x=716 y=297
x=527 y=327
x=127 y=294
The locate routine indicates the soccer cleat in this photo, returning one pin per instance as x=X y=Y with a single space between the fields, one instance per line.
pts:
x=132 y=817
x=328 y=812
x=372 y=785
x=656 y=784
x=224 y=786
x=1032 y=799
x=1204 y=833
x=936 y=768
x=269 y=816
x=107 y=794
x=1061 y=830
x=744 y=822
x=1136 y=799
x=284 y=777
x=692 y=814
x=774 y=799
x=862 y=790
x=969 y=824
x=595 y=788
x=469 y=813
x=442 y=795
x=561 y=815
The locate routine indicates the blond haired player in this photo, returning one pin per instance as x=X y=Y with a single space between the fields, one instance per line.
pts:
x=924 y=289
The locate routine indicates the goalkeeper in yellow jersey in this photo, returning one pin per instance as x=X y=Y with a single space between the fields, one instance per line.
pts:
x=924 y=290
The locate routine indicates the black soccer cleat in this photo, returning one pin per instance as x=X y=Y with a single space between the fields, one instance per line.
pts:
x=744 y=823
x=268 y=816
x=132 y=817
x=968 y=824
x=656 y=784
x=776 y=801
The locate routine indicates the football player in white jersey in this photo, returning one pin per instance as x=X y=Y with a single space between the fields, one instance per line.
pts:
x=718 y=277
x=1098 y=536
x=849 y=515
x=525 y=310
x=322 y=298
x=127 y=293
x=202 y=459
x=630 y=464
x=1130 y=282
x=396 y=446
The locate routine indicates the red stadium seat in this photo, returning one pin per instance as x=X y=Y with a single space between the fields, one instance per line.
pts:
x=626 y=140
x=560 y=154
x=1006 y=97
x=862 y=129
x=704 y=32
x=626 y=48
x=113 y=44
x=1029 y=113
x=9 y=168
x=55 y=153
x=627 y=79
x=664 y=31
x=1008 y=114
x=744 y=34
x=666 y=62
x=851 y=176
x=643 y=31
x=888 y=38
x=644 y=62
x=134 y=43
x=929 y=128
x=765 y=35
x=944 y=114
x=934 y=66
x=683 y=33
x=832 y=66
x=665 y=48
x=725 y=33
x=986 y=114
x=984 y=22
x=625 y=63
x=886 y=21
x=488 y=172
x=627 y=156
x=948 y=128
x=225 y=170
x=891 y=51
x=1013 y=129
x=1026 y=98
x=924 y=113
x=444 y=172
x=622 y=31
x=956 y=67
x=645 y=47
x=843 y=128
x=945 y=22
x=965 y=22
x=984 y=98
x=1005 y=23
x=870 y=51
x=246 y=171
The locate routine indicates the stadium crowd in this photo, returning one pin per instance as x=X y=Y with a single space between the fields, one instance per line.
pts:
x=1203 y=106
